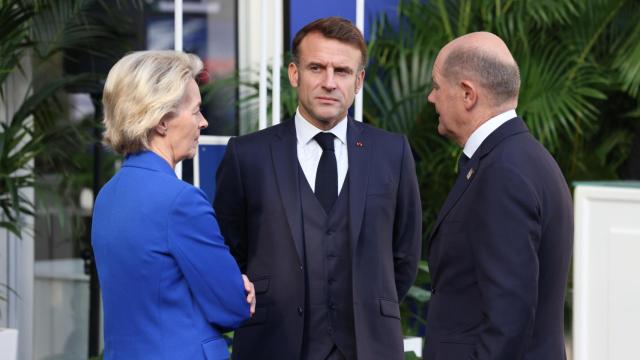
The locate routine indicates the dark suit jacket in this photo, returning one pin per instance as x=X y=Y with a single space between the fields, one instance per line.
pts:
x=499 y=255
x=259 y=209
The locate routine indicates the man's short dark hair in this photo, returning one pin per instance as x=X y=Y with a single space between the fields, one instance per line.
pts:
x=333 y=27
x=500 y=78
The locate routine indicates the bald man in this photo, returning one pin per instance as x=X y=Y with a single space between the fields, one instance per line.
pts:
x=500 y=249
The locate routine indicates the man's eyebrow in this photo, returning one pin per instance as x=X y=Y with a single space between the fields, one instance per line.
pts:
x=346 y=69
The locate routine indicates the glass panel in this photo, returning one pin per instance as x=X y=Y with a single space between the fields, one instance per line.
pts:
x=209 y=31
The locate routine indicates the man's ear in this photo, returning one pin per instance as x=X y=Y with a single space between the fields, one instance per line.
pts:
x=469 y=93
x=293 y=74
x=359 y=80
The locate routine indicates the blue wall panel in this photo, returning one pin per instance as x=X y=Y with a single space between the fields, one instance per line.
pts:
x=210 y=157
x=303 y=12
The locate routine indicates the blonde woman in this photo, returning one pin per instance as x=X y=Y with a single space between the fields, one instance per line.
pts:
x=169 y=284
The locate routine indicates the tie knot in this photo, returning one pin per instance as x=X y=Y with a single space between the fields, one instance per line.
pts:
x=325 y=140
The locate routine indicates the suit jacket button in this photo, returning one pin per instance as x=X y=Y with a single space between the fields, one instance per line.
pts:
x=300 y=310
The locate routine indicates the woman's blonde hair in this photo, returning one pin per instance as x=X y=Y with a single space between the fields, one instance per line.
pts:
x=141 y=89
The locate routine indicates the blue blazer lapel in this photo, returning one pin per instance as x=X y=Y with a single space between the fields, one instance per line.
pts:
x=464 y=179
x=285 y=163
x=358 y=152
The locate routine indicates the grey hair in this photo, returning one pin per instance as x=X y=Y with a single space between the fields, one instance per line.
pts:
x=500 y=78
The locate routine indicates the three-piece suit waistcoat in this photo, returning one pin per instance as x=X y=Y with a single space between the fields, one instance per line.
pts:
x=328 y=297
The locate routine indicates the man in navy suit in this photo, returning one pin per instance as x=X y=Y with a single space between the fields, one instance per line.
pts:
x=323 y=214
x=500 y=249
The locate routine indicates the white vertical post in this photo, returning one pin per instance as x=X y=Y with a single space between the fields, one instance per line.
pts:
x=277 y=61
x=245 y=51
x=360 y=25
x=177 y=40
x=21 y=267
x=177 y=25
x=262 y=96
x=17 y=255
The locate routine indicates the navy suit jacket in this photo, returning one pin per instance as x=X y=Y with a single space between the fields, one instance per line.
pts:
x=169 y=284
x=499 y=255
x=259 y=209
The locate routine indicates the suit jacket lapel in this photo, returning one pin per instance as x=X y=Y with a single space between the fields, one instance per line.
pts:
x=459 y=187
x=358 y=152
x=285 y=163
x=511 y=127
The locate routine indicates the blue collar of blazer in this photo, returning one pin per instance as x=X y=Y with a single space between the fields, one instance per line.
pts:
x=148 y=160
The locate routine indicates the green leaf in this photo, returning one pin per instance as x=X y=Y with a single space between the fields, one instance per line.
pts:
x=12 y=227
x=419 y=294
x=410 y=355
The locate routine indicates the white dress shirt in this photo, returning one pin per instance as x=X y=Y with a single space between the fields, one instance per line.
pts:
x=309 y=151
x=484 y=130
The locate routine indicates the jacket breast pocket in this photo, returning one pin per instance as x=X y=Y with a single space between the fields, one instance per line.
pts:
x=389 y=308
x=215 y=349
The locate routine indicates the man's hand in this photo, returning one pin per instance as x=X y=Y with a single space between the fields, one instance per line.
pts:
x=251 y=293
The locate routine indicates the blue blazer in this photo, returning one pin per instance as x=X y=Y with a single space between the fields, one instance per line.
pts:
x=499 y=255
x=169 y=284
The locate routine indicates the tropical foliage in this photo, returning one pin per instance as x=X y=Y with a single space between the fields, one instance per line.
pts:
x=35 y=37
x=34 y=123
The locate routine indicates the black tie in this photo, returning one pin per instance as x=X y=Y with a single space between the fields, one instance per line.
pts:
x=327 y=174
x=462 y=162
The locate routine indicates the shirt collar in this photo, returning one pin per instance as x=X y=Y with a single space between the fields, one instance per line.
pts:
x=305 y=131
x=484 y=130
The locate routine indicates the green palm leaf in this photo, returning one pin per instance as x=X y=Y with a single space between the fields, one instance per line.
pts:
x=41 y=30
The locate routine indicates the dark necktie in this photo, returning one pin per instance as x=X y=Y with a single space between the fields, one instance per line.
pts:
x=462 y=162
x=327 y=174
